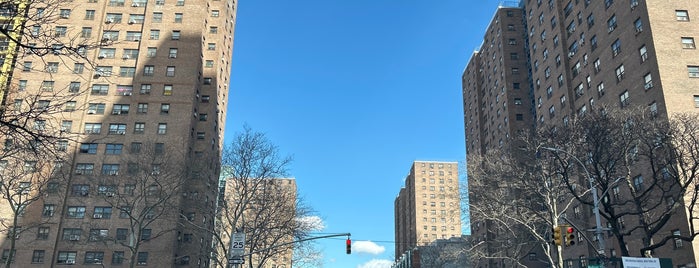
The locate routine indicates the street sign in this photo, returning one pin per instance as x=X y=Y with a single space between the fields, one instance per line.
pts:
x=237 y=248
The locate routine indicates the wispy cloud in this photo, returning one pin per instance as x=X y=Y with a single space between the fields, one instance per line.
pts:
x=376 y=263
x=311 y=223
x=367 y=247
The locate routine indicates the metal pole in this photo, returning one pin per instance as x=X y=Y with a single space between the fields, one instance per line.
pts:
x=595 y=200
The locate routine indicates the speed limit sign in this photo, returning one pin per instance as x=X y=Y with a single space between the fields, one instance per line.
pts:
x=237 y=249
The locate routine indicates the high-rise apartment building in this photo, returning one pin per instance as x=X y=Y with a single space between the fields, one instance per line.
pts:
x=140 y=108
x=428 y=206
x=583 y=55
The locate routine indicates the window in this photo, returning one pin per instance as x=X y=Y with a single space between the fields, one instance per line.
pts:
x=148 y=70
x=47 y=85
x=211 y=46
x=139 y=128
x=638 y=25
x=127 y=71
x=113 y=18
x=106 y=190
x=213 y=29
x=647 y=81
x=165 y=108
x=688 y=43
x=696 y=101
x=145 y=89
x=151 y=52
x=146 y=234
x=215 y=13
x=119 y=3
x=94 y=257
x=113 y=148
x=624 y=98
x=117 y=129
x=120 y=109
x=110 y=169
x=88 y=148
x=175 y=35
x=95 y=108
x=157 y=17
x=154 y=34
x=201 y=135
x=170 y=71
x=118 y=256
x=208 y=80
x=159 y=148
x=162 y=128
x=66 y=257
x=616 y=48
x=142 y=108
x=693 y=71
x=207 y=98
x=103 y=70
x=611 y=23
x=38 y=256
x=69 y=106
x=619 y=73
x=84 y=168
x=60 y=31
x=682 y=15
x=102 y=213
x=133 y=36
x=180 y=2
x=142 y=258
x=644 y=53
x=22 y=85
x=677 y=242
x=136 y=18
x=600 y=89
x=167 y=90
x=89 y=14
x=76 y=213
x=27 y=66
x=52 y=67
x=86 y=32
x=209 y=64
x=173 y=53
x=135 y=147
x=178 y=17
x=203 y=117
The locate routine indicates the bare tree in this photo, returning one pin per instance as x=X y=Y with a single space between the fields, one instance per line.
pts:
x=145 y=197
x=258 y=202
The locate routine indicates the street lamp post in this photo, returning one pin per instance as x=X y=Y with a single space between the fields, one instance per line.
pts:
x=595 y=200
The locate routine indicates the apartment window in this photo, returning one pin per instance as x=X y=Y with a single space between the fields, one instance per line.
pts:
x=213 y=29
x=49 y=210
x=117 y=129
x=157 y=17
x=209 y=64
x=211 y=46
x=653 y=107
x=600 y=89
x=127 y=71
x=593 y=42
x=145 y=88
x=107 y=190
x=89 y=14
x=118 y=256
x=139 y=128
x=110 y=169
x=180 y=2
x=142 y=108
x=133 y=36
x=165 y=108
x=624 y=98
x=47 y=85
x=162 y=128
x=38 y=255
x=78 y=68
x=208 y=80
x=688 y=43
x=159 y=2
x=113 y=148
x=215 y=13
x=69 y=106
x=693 y=71
x=94 y=257
x=60 y=31
x=151 y=52
x=76 y=212
x=203 y=117
x=118 y=3
x=616 y=48
x=135 y=147
x=167 y=90
x=22 y=85
x=66 y=257
x=106 y=53
x=638 y=25
x=102 y=213
x=682 y=15
x=27 y=66
x=647 y=81
x=611 y=23
x=619 y=73
x=175 y=35
x=644 y=53
x=696 y=101
x=148 y=70
x=154 y=34
x=205 y=98
x=52 y=67
x=136 y=18
x=84 y=169
x=677 y=242
x=170 y=71
x=103 y=70
x=114 y=18
x=549 y=92
x=142 y=258
x=62 y=145
x=547 y=72
x=173 y=53
x=178 y=17
x=88 y=148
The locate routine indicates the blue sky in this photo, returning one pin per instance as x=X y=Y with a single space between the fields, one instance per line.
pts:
x=355 y=91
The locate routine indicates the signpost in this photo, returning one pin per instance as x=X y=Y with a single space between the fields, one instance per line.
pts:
x=237 y=249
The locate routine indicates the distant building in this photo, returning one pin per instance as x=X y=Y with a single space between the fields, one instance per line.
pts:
x=442 y=253
x=428 y=206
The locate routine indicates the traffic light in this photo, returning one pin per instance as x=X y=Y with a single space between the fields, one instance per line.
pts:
x=557 y=236
x=570 y=236
x=349 y=246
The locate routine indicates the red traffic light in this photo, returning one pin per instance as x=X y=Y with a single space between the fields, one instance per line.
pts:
x=570 y=230
x=349 y=246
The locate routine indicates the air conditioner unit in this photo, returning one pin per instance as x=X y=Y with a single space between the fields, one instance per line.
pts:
x=70 y=261
x=120 y=132
x=91 y=112
x=634 y=4
x=172 y=56
x=109 y=194
x=79 y=172
x=126 y=57
x=116 y=112
x=648 y=85
x=132 y=21
x=109 y=21
x=74 y=238
x=155 y=173
x=102 y=56
x=136 y=39
x=571 y=54
x=96 y=216
x=127 y=93
x=611 y=28
x=134 y=4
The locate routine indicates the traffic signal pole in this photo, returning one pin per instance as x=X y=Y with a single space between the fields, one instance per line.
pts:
x=349 y=244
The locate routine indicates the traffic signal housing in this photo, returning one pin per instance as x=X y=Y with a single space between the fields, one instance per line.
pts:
x=349 y=246
x=570 y=236
x=557 y=236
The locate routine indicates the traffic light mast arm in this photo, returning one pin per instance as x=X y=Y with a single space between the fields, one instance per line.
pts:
x=297 y=241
